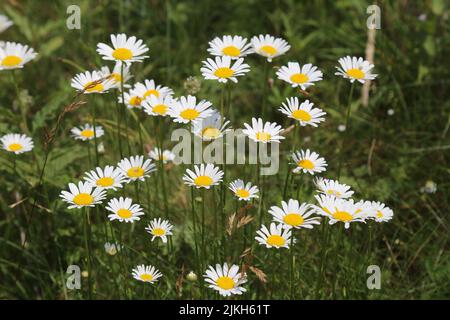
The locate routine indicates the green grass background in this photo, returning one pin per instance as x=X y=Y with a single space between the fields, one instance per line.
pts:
x=408 y=148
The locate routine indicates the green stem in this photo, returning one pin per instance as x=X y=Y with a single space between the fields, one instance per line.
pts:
x=88 y=251
x=291 y=265
x=124 y=109
x=119 y=127
x=347 y=129
x=264 y=88
x=94 y=121
x=23 y=112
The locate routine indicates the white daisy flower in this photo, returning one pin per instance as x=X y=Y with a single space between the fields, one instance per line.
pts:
x=268 y=46
x=186 y=109
x=244 y=191
x=5 y=23
x=134 y=168
x=204 y=176
x=165 y=157
x=340 y=210
x=277 y=237
x=124 y=210
x=149 y=88
x=123 y=50
x=157 y=106
x=308 y=162
x=263 y=132
x=299 y=76
x=294 y=215
x=116 y=77
x=354 y=68
x=83 y=195
x=226 y=279
x=159 y=228
x=133 y=99
x=17 y=143
x=221 y=69
x=230 y=46
x=211 y=127
x=86 y=132
x=92 y=82
x=366 y=209
x=146 y=273
x=108 y=178
x=381 y=213
x=304 y=113
x=112 y=248
x=333 y=188
x=15 y=55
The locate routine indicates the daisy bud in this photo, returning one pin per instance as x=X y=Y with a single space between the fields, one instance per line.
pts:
x=192 y=276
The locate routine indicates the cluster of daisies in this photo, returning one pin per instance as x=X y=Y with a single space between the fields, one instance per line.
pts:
x=93 y=191
x=334 y=202
x=227 y=64
x=14 y=56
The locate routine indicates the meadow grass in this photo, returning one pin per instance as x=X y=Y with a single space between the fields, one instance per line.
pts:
x=383 y=156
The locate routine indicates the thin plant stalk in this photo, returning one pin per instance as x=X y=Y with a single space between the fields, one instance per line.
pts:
x=88 y=251
x=347 y=129
x=124 y=108
x=118 y=125
x=94 y=121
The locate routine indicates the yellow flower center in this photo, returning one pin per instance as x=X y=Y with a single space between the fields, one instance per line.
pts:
x=158 y=232
x=135 y=172
x=293 y=219
x=231 y=51
x=225 y=283
x=342 y=216
x=87 y=133
x=122 y=54
x=270 y=50
x=135 y=101
x=116 y=77
x=146 y=277
x=83 y=199
x=224 y=72
x=160 y=109
x=11 y=61
x=189 y=114
x=90 y=87
x=124 y=213
x=151 y=91
x=275 y=240
x=379 y=214
x=203 y=181
x=334 y=193
x=15 y=147
x=301 y=115
x=211 y=133
x=299 y=78
x=263 y=136
x=355 y=73
x=242 y=193
x=305 y=163
x=105 y=182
